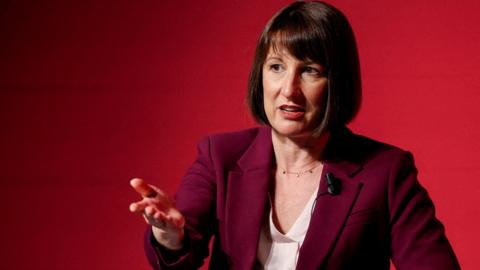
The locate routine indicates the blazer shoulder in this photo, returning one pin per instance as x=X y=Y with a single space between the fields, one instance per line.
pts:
x=362 y=149
x=230 y=146
x=245 y=135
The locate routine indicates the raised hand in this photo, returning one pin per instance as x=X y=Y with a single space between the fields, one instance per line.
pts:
x=158 y=209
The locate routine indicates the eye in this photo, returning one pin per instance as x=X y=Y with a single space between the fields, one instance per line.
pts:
x=312 y=71
x=275 y=67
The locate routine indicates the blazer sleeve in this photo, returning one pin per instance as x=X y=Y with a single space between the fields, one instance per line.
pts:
x=418 y=238
x=196 y=201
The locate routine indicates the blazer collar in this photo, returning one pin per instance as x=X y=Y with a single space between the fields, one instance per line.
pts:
x=331 y=211
x=248 y=186
x=259 y=155
x=247 y=195
x=339 y=152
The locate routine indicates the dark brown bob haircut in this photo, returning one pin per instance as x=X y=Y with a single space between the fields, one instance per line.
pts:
x=317 y=32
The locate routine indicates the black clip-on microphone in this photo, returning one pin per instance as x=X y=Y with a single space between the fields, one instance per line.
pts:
x=333 y=184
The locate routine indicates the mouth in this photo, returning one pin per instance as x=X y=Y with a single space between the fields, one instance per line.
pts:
x=292 y=112
x=292 y=108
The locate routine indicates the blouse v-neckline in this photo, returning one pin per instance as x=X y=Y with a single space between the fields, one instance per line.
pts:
x=280 y=251
x=299 y=228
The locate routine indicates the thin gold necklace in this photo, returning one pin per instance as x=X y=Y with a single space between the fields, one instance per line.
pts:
x=300 y=173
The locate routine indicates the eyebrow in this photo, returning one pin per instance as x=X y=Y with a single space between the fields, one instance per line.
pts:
x=310 y=62
x=273 y=58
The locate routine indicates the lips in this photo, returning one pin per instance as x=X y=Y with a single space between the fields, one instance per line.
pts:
x=292 y=112
x=292 y=108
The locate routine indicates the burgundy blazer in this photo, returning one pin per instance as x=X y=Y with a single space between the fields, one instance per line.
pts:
x=380 y=213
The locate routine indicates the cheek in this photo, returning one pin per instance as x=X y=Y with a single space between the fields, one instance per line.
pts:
x=268 y=102
x=268 y=92
x=267 y=87
x=272 y=83
x=316 y=97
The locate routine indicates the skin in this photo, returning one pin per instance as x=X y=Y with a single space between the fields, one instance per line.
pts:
x=293 y=93
x=287 y=81
x=298 y=84
x=158 y=209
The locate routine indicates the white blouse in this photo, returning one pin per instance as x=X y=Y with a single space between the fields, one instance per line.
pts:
x=280 y=251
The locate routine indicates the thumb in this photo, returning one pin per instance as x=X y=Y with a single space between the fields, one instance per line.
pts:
x=143 y=188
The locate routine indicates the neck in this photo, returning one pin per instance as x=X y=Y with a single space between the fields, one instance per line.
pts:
x=298 y=153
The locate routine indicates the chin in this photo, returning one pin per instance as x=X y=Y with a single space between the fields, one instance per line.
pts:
x=290 y=131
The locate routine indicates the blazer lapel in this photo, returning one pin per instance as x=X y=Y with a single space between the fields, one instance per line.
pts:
x=331 y=211
x=247 y=194
x=327 y=220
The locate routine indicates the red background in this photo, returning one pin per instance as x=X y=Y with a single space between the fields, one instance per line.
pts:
x=93 y=93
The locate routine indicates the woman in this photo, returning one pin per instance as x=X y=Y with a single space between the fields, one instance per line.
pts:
x=301 y=191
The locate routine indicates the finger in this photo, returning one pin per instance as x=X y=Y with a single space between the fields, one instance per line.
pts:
x=160 y=224
x=133 y=207
x=137 y=207
x=175 y=217
x=140 y=206
x=161 y=220
x=143 y=188
x=150 y=211
x=158 y=216
x=158 y=203
x=155 y=217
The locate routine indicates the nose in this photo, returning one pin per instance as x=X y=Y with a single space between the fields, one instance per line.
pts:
x=291 y=84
